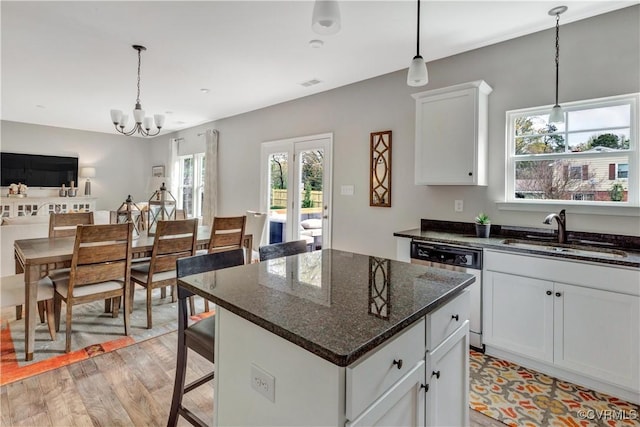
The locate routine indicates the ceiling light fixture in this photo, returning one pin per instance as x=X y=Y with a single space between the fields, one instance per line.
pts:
x=326 y=17
x=143 y=124
x=418 y=75
x=557 y=115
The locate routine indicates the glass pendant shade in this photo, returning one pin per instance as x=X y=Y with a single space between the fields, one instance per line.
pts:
x=556 y=115
x=148 y=122
x=116 y=115
x=138 y=115
x=159 y=119
x=124 y=120
x=326 y=17
x=418 y=75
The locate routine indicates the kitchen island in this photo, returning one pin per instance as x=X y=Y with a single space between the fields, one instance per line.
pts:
x=334 y=338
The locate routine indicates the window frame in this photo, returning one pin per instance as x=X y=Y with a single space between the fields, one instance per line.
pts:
x=198 y=183
x=633 y=200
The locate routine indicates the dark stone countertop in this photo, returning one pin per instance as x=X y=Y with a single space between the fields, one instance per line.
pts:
x=463 y=234
x=322 y=300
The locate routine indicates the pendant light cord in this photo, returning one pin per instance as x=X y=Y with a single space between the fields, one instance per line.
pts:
x=138 y=97
x=557 y=52
x=418 y=33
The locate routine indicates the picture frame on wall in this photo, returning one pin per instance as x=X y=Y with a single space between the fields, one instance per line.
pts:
x=157 y=171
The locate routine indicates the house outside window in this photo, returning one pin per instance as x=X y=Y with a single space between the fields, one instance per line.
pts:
x=191 y=184
x=586 y=160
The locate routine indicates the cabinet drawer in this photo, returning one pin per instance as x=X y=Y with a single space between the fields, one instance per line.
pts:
x=446 y=319
x=368 y=379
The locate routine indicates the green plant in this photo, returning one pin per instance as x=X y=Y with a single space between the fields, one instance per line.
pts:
x=617 y=192
x=483 y=219
x=307 y=202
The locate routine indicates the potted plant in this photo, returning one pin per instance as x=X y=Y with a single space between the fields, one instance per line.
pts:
x=483 y=225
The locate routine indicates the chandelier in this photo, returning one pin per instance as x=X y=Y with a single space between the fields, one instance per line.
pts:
x=143 y=124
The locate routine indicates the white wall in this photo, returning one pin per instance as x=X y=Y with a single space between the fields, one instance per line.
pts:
x=600 y=57
x=122 y=163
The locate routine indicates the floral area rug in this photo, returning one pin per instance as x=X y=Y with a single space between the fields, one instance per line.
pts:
x=517 y=396
x=93 y=333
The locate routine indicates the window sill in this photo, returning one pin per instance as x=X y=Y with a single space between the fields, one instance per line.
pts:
x=572 y=207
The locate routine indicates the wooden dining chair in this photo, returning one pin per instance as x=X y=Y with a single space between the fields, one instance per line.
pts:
x=64 y=224
x=12 y=294
x=227 y=233
x=173 y=240
x=278 y=250
x=100 y=269
x=200 y=336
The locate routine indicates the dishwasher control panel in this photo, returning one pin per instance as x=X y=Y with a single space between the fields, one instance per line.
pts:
x=445 y=254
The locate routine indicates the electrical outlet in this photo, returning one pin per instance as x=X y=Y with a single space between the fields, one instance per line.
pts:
x=263 y=382
x=458 y=205
x=346 y=190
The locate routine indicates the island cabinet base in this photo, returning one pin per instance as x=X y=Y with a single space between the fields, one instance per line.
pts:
x=417 y=378
x=307 y=390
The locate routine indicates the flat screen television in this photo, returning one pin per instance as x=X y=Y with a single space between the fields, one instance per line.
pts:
x=37 y=170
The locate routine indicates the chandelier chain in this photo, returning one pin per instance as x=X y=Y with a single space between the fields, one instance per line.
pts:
x=139 y=61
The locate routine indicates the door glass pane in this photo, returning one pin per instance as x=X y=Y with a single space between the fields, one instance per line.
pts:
x=311 y=164
x=278 y=172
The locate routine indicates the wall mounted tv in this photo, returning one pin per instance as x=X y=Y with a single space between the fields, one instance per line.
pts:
x=36 y=170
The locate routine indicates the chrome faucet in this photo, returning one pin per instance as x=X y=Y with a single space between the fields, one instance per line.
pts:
x=562 y=224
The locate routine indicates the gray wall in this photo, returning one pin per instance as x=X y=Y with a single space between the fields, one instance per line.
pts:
x=600 y=57
x=122 y=164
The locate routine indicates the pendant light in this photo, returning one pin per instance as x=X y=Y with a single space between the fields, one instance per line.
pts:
x=142 y=124
x=557 y=115
x=326 y=17
x=418 y=75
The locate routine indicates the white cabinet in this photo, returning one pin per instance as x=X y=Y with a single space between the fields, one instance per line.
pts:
x=575 y=321
x=451 y=135
x=448 y=379
x=30 y=206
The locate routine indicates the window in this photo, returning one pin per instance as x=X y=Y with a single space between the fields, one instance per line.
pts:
x=191 y=184
x=586 y=160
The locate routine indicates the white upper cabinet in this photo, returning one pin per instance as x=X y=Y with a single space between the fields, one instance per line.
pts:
x=451 y=135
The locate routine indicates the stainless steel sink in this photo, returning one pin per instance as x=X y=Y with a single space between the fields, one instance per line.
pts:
x=567 y=249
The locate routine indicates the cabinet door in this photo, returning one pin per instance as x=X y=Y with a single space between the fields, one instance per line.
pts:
x=402 y=405
x=445 y=138
x=597 y=334
x=448 y=378
x=518 y=314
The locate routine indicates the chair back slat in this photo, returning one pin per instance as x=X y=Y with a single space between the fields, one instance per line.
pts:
x=98 y=259
x=176 y=227
x=227 y=233
x=278 y=250
x=171 y=245
x=64 y=224
x=96 y=273
x=168 y=262
x=209 y=262
x=102 y=253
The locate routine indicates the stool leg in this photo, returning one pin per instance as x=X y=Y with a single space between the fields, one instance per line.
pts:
x=192 y=305
x=41 y=311
x=18 y=312
x=181 y=365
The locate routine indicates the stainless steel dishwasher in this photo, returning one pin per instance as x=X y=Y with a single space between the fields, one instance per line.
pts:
x=456 y=258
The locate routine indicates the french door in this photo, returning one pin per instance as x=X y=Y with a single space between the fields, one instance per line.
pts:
x=296 y=189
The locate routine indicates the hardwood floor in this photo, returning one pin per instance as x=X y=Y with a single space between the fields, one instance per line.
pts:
x=127 y=387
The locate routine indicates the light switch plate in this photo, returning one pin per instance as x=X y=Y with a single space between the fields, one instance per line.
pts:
x=458 y=205
x=346 y=190
x=263 y=382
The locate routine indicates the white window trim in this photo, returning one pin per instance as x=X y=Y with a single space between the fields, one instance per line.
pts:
x=629 y=208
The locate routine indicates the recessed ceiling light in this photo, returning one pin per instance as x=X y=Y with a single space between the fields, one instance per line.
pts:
x=179 y=122
x=40 y=106
x=316 y=44
x=311 y=82
x=204 y=90
x=168 y=112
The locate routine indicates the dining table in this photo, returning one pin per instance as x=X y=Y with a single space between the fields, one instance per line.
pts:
x=35 y=257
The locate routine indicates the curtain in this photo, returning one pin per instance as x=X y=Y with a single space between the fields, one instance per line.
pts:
x=210 y=202
x=171 y=175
